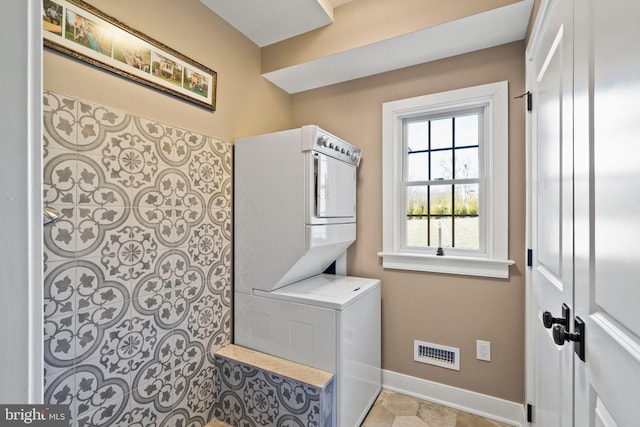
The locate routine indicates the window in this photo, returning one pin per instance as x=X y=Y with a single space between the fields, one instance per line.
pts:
x=445 y=176
x=441 y=180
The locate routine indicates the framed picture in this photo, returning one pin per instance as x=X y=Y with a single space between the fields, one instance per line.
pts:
x=78 y=29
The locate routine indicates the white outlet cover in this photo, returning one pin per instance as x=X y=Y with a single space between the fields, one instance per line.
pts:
x=483 y=350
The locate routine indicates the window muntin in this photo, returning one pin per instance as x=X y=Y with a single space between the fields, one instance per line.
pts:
x=442 y=181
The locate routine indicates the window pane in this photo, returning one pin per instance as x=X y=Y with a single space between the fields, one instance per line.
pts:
x=441 y=133
x=441 y=164
x=417 y=232
x=441 y=200
x=468 y=232
x=417 y=225
x=443 y=224
x=418 y=167
x=466 y=201
x=467 y=228
x=467 y=163
x=418 y=136
x=417 y=200
x=467 y=130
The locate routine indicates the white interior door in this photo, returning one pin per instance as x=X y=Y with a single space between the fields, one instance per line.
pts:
x=551 y=83
x=584 y=136
x=21 y=357
x=608 y=211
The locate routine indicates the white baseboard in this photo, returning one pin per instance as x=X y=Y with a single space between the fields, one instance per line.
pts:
x=483 y=405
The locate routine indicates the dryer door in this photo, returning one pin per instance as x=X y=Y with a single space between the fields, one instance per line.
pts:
x=335 y=188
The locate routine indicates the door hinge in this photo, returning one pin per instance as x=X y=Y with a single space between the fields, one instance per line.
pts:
x=527 y=94
x=529 y=257
x=529 y=413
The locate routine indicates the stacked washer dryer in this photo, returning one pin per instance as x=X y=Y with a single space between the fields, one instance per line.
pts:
x=294 y=215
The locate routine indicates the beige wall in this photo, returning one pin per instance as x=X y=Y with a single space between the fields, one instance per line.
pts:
x=247 y=104
x=446 y=309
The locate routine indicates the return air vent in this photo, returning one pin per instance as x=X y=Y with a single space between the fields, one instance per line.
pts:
x=438 y=355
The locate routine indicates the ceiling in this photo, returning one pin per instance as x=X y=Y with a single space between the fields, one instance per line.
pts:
x=276 y=20
x=272 y=21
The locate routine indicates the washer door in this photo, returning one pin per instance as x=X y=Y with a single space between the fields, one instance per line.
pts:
x=335 y=188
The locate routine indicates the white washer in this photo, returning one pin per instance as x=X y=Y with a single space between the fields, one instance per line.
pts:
x=328 y=322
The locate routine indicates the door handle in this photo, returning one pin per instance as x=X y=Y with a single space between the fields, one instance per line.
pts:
x=561 y=336
x=548 y=320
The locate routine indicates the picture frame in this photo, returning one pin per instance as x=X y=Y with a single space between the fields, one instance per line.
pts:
x=83 y=32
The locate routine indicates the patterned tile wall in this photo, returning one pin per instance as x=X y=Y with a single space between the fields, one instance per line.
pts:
x=247 y=396
x=137 y=271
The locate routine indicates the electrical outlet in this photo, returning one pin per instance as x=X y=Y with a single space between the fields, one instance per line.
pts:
x=483 y=350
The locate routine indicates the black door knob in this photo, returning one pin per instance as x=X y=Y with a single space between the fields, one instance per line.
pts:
x=560 y=335
x=548 y=320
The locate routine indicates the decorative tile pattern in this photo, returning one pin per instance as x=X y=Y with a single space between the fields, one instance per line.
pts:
x=250 y=396
x=137 y=272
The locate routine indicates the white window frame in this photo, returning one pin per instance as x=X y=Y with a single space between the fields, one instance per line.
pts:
x=490 y=261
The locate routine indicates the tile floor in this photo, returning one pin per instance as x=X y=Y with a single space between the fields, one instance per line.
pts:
x=397 y=410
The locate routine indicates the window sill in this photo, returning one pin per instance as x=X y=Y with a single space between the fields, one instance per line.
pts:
x=467 y=266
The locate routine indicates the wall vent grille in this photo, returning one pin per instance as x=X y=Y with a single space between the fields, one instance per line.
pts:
x=435 y=354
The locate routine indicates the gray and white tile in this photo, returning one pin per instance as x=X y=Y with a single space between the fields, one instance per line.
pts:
x=137 y=272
